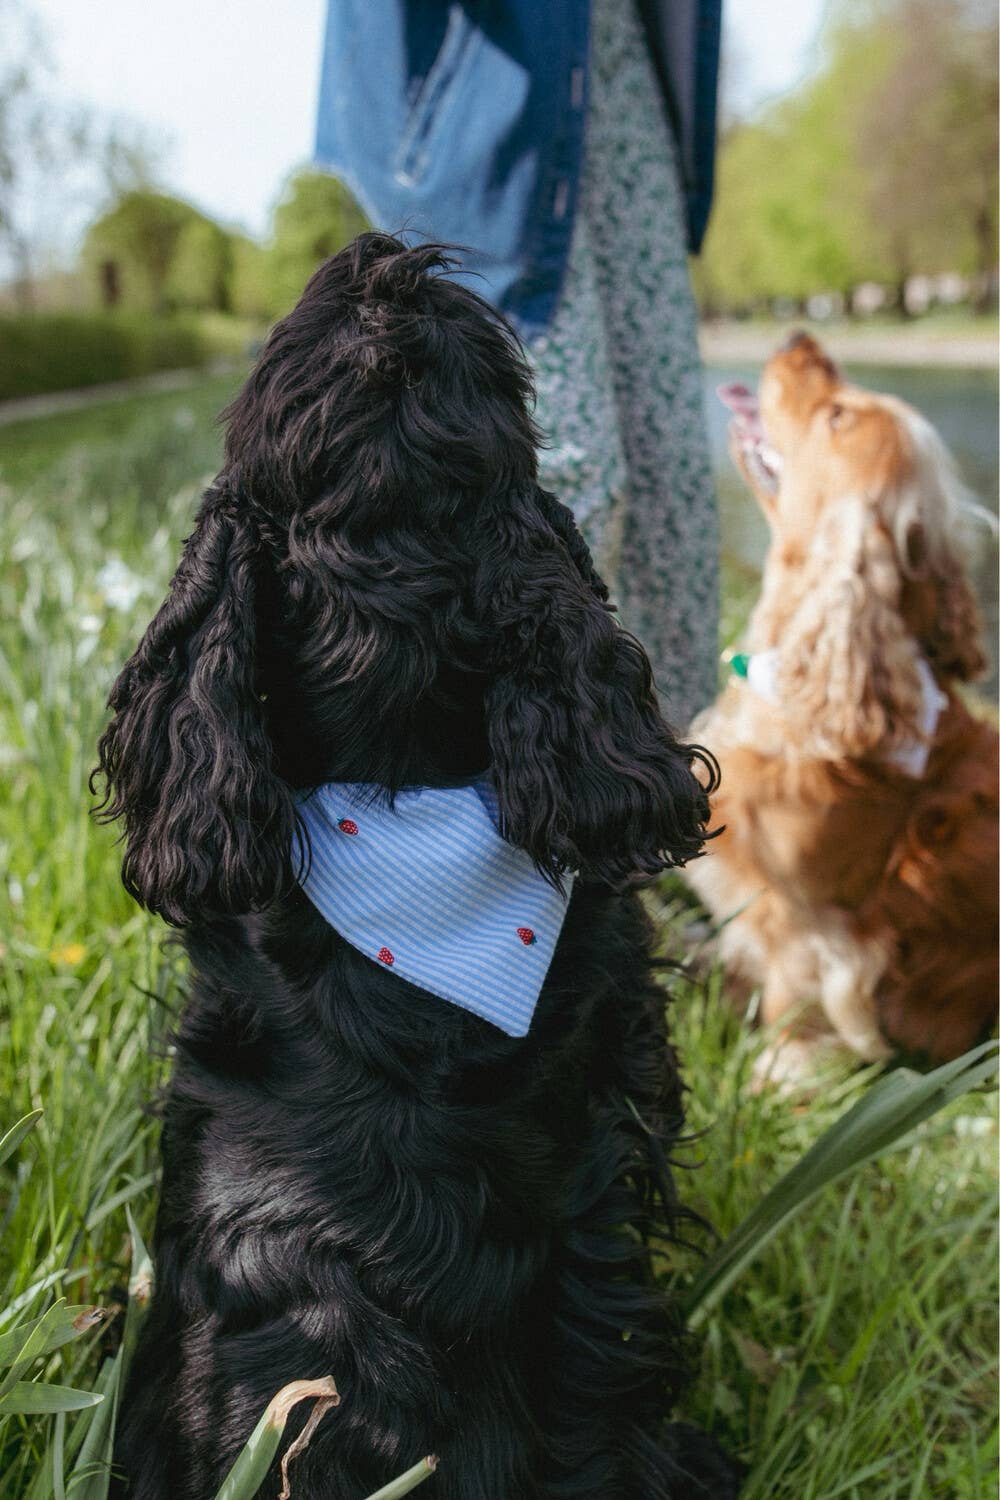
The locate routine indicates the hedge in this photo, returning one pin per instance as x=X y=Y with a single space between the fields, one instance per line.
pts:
x=41 y=352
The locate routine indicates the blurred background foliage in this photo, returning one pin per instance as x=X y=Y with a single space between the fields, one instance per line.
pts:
x=870 y=189
x=881 y=167
x=155 y=253
x=162 y=286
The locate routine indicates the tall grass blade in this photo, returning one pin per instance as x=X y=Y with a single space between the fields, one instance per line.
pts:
x=58 y=1453
x=31 y=1398
x=248 y=1472
x=140 y=1289
x=44 y=1487
x=92 y=1469
x=406 y=1482
x=90 y=1477
x=57 y=1326
x=880 y=1121
x=16 y=1134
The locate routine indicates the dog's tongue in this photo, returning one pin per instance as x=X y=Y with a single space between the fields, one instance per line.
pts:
x=759 y=456
x=742 y=402
x=737 y=397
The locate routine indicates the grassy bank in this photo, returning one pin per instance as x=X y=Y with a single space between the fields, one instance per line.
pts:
x=41 y=352
x=960 y=342
x=856 y=1358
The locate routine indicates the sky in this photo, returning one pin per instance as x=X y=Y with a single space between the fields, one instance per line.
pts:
x=231 y=84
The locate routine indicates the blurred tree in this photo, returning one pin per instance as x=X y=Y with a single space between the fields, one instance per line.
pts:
x=928 y=137
x=882 y=164
x=791 y=214
x=736 y=270
x=140 y=237
x=129 y=157
x=45 y=144
x=155 y=252
x=315 y=217
x=201 y=267
x=249 y=289
x=36 y=139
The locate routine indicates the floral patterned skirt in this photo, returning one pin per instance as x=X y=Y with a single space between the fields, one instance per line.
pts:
x=619 y=379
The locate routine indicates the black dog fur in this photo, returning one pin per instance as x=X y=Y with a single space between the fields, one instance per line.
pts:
x=361 y=1180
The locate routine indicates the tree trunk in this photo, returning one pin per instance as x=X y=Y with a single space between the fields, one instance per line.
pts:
x=984 y=296
x=24 y=281
x=902 y=277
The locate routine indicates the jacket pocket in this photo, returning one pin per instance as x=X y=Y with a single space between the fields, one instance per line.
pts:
x=433 y=98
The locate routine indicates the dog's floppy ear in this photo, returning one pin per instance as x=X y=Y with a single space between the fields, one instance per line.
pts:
x=588 y=775
x=186 y=761
x=928 y=514
x=938 y=601
x=954 y=643
x=848 y=681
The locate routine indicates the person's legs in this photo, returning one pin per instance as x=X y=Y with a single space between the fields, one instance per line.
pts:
x=631 y=204
x=576 y=412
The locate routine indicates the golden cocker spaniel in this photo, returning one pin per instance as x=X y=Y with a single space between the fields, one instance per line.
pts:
x=856 y=879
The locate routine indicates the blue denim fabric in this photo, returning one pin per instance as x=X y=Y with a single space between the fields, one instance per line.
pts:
x=465 y=122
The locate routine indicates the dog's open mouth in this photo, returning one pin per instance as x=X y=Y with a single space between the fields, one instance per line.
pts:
x=760 y=458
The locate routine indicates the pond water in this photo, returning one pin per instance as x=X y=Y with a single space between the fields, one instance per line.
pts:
x=962 y=405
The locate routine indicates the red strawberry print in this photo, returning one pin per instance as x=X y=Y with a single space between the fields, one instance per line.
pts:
x=385 y=957
x=526 y=935
x=347 y=825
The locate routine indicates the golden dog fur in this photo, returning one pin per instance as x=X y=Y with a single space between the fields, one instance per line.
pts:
x=861 y=899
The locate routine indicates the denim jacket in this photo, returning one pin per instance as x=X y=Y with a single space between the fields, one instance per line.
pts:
x=464 y=122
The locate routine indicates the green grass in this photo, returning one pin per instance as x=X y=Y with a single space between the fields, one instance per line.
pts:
x=177 y=426
x=855 y=1358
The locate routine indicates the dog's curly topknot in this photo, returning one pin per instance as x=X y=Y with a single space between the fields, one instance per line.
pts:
x=391 y=373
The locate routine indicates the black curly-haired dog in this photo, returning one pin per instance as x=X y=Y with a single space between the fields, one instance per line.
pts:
x=360 y=1179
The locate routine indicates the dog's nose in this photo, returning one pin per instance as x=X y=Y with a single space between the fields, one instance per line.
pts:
x=795 y=338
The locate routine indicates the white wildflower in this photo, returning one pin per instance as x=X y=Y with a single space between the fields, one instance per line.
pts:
x=119 y=585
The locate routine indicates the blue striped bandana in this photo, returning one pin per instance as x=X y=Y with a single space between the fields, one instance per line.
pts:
x=430 y=890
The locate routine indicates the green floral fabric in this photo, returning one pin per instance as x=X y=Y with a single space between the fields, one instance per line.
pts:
x=619 y=380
